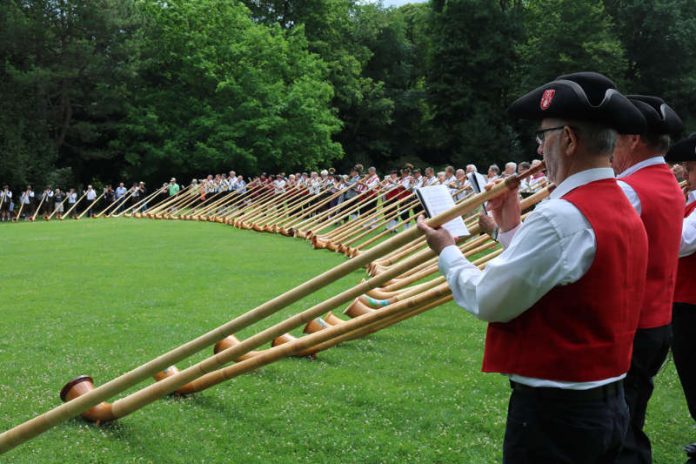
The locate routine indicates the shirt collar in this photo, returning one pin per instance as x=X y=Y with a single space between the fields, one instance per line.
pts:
x=691 y=197
x=659 y=159
x=581 y=178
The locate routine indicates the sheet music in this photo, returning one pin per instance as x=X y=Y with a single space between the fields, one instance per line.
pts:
x=477 y=181
x=437 y=199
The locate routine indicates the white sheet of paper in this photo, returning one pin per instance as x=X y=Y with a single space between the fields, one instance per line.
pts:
x=481 y=181
x=437 y=199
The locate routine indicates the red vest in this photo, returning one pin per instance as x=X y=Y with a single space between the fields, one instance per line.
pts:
x=583 y=331
x=659 y=192
x=685 y=291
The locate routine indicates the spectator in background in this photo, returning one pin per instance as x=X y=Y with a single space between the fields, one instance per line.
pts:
x=173 y=188
x=493 y=173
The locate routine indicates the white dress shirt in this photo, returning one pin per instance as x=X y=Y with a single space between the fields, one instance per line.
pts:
x=688 y=241
x=627 y=189
x=555 y=246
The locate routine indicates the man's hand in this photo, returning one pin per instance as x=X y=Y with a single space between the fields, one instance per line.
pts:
x=486 y=224
x=505 y=208
x=438 y=239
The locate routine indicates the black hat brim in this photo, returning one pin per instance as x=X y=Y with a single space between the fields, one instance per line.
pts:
x=569 y=101
x=682 y=151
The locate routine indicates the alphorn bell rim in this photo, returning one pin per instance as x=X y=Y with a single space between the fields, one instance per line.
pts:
x=68 y=386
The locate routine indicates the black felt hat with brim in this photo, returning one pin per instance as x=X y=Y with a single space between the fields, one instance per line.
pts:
x=684 y=150
x=659 y=117
x=584 y=96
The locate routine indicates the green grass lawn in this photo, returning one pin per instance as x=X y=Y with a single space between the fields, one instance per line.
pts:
x=100 y=297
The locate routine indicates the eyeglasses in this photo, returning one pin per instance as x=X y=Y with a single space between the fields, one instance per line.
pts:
x=541 y=134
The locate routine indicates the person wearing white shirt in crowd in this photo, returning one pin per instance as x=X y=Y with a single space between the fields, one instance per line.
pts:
x=90 y=196
x=684 y=307
x=46 y=202
x=5 y=200
x=450 y=176
x=652 y=190
x=241 y=185
x=417 y=180
x=71 y=200
x=564 y=349
x=493 y=173
x=232 y=181
x=527 y=184
x=460 y=185
x=27 y=200
x=279 y=184
x=120 y=191
x=510 y=169
x=430 y=178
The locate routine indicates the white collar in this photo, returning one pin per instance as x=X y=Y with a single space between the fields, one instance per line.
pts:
x=691 y=197
x=581 y=178
x=658 y=159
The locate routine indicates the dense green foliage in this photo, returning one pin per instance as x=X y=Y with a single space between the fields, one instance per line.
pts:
x=109 y=89
x=100 y=297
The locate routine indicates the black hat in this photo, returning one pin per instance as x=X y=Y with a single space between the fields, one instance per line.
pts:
x=584 y=96
x=659 y=117
x=684 y=150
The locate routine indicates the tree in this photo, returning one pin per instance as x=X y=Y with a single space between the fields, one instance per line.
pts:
x=220 y=91
x=658 y=36
x=470 y=75
x=65 y=72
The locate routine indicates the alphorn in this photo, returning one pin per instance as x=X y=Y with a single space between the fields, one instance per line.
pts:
x=33 y=427
x=182 y=194
x=50 y=216
x=21 y=206
x=67 y=213
x=38 y=208
x=91 y=206
x=128 y=211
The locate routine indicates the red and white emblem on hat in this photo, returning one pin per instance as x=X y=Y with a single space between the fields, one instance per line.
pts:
x=546 y=99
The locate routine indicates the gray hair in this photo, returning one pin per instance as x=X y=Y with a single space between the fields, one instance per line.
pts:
x=659 y=143
x=597 y=139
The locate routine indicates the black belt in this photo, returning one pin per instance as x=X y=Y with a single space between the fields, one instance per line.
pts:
x=610 y=390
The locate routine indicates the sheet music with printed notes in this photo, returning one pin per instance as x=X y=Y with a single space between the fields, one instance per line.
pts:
x=436 y=199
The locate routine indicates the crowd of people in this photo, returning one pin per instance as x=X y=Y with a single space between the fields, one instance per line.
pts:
x=58 y=203
x=49 y=203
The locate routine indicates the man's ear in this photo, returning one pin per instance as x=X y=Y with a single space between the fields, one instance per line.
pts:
x=569 y=141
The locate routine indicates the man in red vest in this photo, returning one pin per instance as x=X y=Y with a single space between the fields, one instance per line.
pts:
x=654 y=193
x=563 y=299
x=684 y=308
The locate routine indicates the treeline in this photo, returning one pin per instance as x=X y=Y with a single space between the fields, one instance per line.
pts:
x=102 y=90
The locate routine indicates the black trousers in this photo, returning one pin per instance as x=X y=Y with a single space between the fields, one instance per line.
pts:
x=684 y=350
x=650 y=348
x=554 y=426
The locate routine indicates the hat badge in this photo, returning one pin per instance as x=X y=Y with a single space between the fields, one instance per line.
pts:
x=546 y=99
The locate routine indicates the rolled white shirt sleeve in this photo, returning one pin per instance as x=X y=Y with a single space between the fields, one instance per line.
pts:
x=505 y=238
x=688 y=240
x=555 y=246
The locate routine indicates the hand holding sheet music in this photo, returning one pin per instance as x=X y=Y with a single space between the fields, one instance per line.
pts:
x=436 y=199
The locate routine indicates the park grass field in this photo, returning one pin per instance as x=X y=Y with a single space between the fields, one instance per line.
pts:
x=100 y=297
